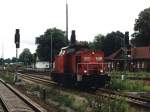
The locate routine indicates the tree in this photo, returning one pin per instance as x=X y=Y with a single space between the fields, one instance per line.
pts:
x=14 y=59
x=44 y=43
x=113 y=41
x=8 y=60
x=98 y=42
x=84 y=44
x=141 y=36
x=26 y=57
x=1 y=61
x=109 y=43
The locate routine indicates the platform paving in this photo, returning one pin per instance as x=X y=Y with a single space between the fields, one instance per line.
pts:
x=12 y=101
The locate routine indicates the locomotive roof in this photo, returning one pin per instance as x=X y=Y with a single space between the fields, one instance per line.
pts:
x=76 y=46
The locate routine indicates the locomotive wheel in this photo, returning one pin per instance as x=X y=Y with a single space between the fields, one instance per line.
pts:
x=68 y=80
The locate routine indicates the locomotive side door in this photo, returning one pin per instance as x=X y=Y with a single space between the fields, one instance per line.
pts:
x=78 y=60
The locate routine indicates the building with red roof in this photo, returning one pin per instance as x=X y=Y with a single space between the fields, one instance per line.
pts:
x=137 y=58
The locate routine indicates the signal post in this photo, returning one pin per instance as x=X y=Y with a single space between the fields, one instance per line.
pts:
x=17 y=42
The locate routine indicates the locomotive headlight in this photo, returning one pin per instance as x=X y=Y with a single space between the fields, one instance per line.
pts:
x=101 y=71
x=85 y=71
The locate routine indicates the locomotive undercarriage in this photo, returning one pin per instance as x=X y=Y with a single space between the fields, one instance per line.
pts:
x=90 y=81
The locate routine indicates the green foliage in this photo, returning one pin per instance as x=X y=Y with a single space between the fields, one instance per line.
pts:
x=113 y=42
x=1 y=61
x=8 y=60
x=98 y=42
x=14 y=59
x=7 y=77
x=103 y=104
x=126 y=85
x=66 y=100
x=109 y=43
x=131 y=74
x=26 y=57
x=44 y=43
x=84 y=44
x=142 y=28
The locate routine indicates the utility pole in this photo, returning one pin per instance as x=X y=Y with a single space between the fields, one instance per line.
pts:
x=2 y=57
x=51 y=50
x=67 y=21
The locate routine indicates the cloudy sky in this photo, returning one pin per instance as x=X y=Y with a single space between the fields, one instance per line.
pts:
x=87 y=17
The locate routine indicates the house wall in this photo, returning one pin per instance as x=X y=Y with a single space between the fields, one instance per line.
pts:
x=132 y=65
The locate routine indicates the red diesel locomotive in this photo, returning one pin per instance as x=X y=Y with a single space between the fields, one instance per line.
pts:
x=76 y=65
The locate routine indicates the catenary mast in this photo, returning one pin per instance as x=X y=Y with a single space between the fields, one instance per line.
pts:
x=67 y=22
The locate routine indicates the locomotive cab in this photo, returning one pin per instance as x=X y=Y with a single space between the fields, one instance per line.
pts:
x=91 y=69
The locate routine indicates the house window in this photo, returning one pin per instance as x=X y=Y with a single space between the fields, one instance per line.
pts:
x=112 y=65
x=109 y=65
x=99 y=58
x=87 y=58
x=143 y=64
x=138 y=64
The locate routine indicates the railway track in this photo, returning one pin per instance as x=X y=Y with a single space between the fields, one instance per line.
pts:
x=129 y=98
x=100 y=92
x=12 y=100
x=38 y=79
x=2 y=107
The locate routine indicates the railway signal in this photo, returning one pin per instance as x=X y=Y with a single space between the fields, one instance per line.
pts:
x=17 y=38
x=127 y=39
x=17 y=42
x=125 y=46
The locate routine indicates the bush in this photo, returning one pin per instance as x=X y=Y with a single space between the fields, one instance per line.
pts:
x=8 y=77
x=103 y=104
x=129 y=85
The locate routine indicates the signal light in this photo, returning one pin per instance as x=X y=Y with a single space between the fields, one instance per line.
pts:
x=17 y=38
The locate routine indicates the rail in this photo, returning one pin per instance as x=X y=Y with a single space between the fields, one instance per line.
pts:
x=25 y=99
x=105 y=92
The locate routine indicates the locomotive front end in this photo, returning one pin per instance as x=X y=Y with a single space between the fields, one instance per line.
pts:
x=91 y=69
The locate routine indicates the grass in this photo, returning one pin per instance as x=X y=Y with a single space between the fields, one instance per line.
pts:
x=126 y=85
x=102 y=104
x=82 y=104
x=132 y=74
x=130 y=85
x=8 y=77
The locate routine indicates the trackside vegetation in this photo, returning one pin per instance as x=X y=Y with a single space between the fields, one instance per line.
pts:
x=129 y=85
x=69 y=100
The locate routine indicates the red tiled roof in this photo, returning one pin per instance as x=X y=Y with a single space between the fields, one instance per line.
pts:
x=140 y=53
x=136 y=53
x=112 y=56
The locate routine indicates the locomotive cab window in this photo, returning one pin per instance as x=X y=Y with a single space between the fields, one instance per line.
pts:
x=99 y=58
x=62 y=52
x=87 y=58
x=70 y=50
